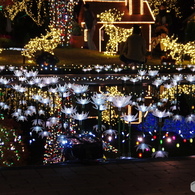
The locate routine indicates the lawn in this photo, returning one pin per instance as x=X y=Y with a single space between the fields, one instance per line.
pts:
x=67 y=56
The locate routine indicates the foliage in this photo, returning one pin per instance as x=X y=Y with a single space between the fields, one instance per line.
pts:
x=5 y=41
x=149 y=124
x=170 y=4
x=183 y=128
x=77 y=30
x=190 y=31
x=14 y=8
x=47 y=59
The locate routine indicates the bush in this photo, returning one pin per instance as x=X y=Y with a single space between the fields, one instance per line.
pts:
x=77 y=30
x=46 y=59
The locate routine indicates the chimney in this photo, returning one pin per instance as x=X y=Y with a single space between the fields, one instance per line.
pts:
x=136 y=7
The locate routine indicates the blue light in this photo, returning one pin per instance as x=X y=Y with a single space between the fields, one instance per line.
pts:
x=64 y=142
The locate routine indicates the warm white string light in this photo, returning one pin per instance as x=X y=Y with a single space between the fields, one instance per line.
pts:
x=27 y=5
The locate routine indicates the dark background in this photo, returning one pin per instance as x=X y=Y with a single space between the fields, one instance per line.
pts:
x=25 y=28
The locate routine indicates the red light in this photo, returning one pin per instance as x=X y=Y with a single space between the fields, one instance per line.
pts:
x=154 y=137
x=140 y=155
x=184 y=140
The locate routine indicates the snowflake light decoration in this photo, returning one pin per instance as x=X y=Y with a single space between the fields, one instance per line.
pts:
x=121 y=101
x=110 y=132
x=80 y=116
x=159 y=154
x=143 y=147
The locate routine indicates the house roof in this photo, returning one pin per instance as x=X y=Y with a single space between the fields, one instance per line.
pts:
x=99 y=7
x=191 y=17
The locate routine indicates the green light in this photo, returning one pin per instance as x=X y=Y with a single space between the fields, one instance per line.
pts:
x=2 y=116
x=161 y=141
x=177 y=145
x=163 y=149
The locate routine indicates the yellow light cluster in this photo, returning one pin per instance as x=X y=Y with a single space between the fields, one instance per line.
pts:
x=180 y=89
x=45 y=94
x=110 y=16
x=26 y=5
x=171 y=5
x=110 y=112
x=45 y=43
x=116 y=34
x=178 y=50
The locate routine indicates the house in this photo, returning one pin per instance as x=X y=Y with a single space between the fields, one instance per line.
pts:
x=135 y=12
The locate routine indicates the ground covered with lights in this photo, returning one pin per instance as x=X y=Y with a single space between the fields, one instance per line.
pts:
x=93 y=111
